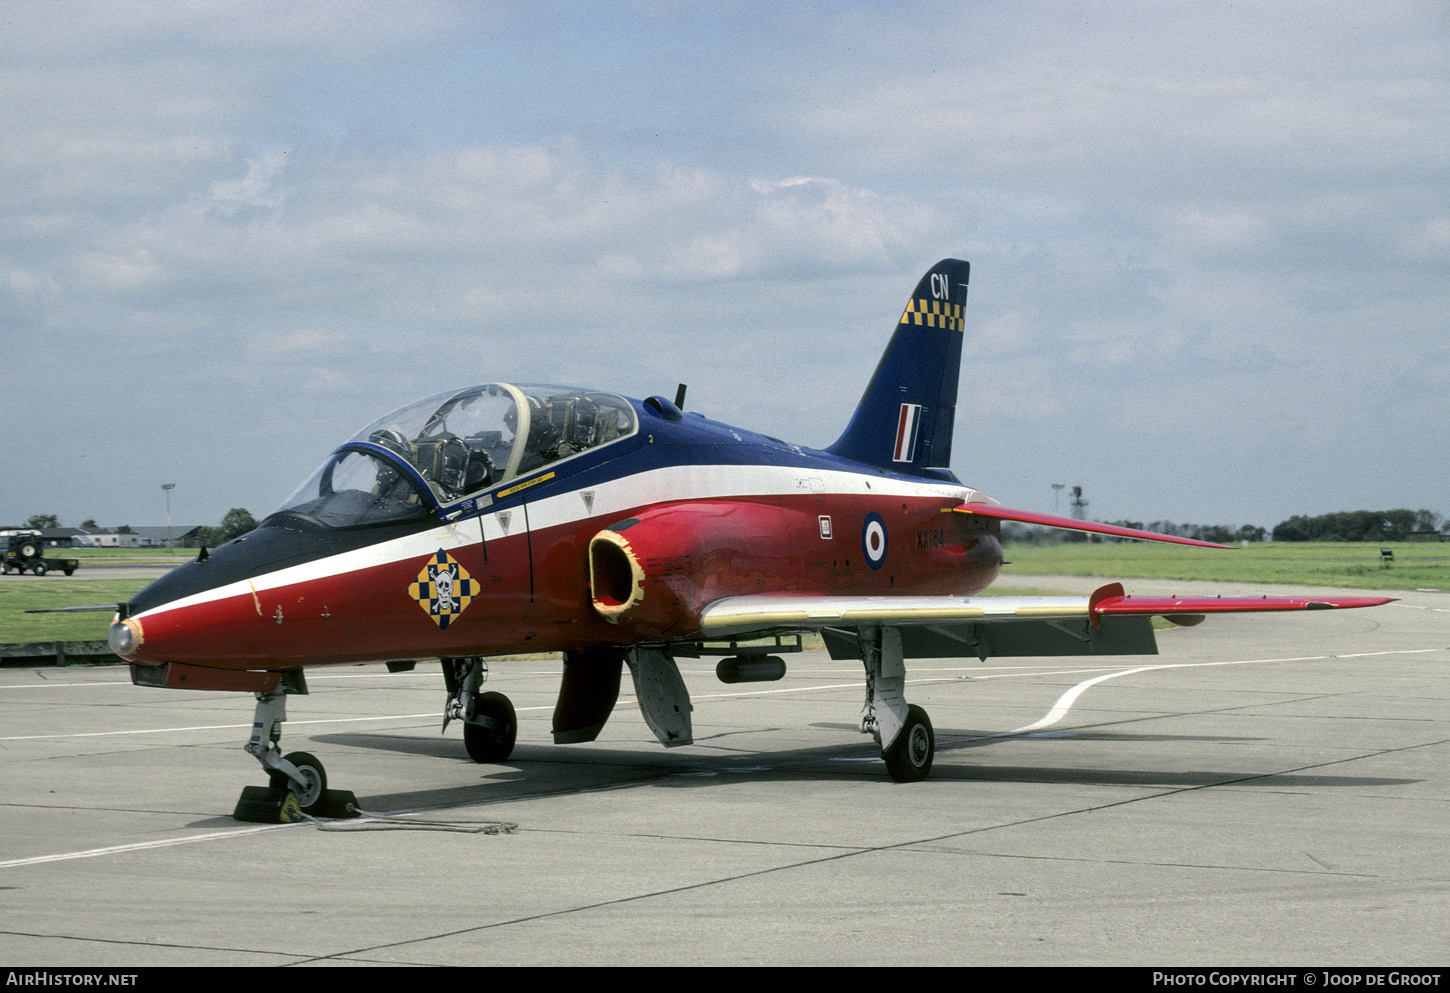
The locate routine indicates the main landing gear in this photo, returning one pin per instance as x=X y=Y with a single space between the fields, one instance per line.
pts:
x=903 y=730
x=297 y=782
x=490 y=726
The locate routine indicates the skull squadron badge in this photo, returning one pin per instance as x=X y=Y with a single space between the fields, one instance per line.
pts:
x=444 y=589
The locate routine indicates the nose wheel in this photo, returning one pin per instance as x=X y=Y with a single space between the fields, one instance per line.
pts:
x=310 y=786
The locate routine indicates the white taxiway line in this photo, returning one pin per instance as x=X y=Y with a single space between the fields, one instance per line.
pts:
x=1064 y=703
x=142 y=846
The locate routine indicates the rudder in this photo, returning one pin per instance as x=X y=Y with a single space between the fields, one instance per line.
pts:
x=904 y=419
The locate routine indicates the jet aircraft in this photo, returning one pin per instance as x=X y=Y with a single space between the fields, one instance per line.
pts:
x=509 y=517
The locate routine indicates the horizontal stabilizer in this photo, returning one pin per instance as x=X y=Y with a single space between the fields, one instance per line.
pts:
x=1073 y=524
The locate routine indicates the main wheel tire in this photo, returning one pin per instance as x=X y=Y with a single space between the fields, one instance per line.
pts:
x=38 y=568
x=908 y=760
x=493 y=741
x=312 y=789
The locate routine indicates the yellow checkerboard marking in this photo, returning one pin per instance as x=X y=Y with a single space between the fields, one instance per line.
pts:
x=934 y=314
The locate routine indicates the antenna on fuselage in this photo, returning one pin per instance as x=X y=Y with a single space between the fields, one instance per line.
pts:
x=680 y=396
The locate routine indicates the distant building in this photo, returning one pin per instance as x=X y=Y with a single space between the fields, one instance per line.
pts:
x=140 y=536
x=109 y=538
x=181 y=536
x=63 y=537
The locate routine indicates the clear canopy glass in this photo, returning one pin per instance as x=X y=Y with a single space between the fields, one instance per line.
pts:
x=460 y=443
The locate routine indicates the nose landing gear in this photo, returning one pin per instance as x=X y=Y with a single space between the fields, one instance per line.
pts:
x=297 y=782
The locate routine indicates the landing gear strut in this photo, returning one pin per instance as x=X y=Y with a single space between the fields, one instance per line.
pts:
x=490 y=726
x=903 y=731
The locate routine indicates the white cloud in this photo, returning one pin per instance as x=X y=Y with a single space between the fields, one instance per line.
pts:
x=131 y=271
x=109 y=27
x=299 y=344
x=1212 y=231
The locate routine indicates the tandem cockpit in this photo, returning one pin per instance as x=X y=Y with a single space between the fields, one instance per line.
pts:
x=446 y=448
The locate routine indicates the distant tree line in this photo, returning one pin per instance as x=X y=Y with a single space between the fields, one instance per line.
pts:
x=1348 y=525
x=1220 y=534
x=1359 y=525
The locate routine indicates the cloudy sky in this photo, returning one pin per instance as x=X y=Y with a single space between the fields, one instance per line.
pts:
x=1210 y=242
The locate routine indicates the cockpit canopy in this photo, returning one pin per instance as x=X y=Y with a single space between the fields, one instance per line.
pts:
x=450 y=446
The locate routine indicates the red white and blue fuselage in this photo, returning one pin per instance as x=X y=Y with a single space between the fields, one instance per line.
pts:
x=721 y=512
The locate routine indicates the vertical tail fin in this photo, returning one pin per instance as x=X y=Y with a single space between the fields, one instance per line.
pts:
x=904 y=420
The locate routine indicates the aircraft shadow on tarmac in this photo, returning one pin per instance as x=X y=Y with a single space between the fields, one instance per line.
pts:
x=534 y=769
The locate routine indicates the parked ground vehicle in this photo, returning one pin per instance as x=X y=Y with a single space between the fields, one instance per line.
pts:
x=26 y=553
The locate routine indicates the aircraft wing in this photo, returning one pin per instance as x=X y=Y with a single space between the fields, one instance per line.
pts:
x=1073 y=524
x=1109 y=622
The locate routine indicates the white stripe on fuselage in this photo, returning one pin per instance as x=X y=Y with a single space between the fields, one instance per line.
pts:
x=726 y=482
x=612 y=499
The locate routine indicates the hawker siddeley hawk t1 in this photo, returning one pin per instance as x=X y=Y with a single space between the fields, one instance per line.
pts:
x=514 y=517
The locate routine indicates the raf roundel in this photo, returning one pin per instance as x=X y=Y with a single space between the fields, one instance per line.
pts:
x=873 y=540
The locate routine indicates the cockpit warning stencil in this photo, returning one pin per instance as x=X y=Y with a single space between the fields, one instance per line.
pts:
x=444 y=589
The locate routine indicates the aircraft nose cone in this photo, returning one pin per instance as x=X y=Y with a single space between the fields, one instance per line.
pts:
x=124 y=637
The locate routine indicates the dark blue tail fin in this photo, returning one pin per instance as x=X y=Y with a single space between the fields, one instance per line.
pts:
x=904 y=420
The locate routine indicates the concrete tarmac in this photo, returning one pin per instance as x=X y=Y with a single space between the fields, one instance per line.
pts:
x=1269 y=790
